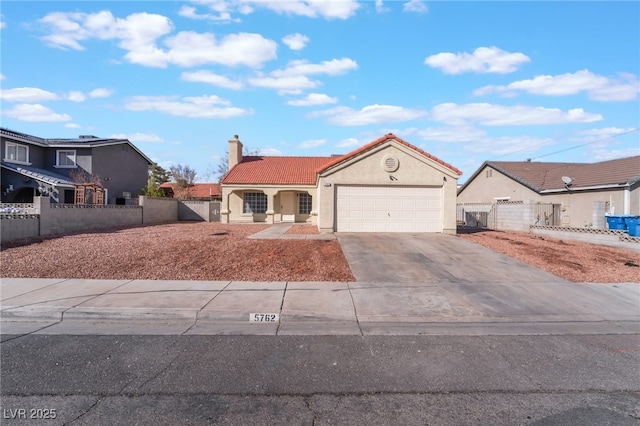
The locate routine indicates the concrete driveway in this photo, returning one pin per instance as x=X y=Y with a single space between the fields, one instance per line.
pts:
x=431 y=258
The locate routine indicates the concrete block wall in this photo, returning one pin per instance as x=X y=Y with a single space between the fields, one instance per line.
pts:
x=604 y=237
x=193 y=210
x=158 y=210
x=69 y=218
x=18 y=227
x=515 y=216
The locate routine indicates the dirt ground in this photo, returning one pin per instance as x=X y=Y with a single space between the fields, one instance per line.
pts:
x=181 y=251
x=214 y=251
x=571 y=260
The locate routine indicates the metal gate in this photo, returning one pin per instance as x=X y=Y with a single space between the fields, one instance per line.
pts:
x=476 y=215
x=547 y=214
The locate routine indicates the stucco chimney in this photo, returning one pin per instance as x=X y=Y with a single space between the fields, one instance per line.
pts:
x=235 y=151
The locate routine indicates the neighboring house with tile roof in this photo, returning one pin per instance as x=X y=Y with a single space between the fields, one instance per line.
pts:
x=33 y=166
x=387 y=185
x=584 y=191
x=196 y=191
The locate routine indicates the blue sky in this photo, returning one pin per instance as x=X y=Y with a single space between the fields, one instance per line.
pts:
x=465 y=81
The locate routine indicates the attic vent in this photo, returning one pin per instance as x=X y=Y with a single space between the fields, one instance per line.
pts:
x=390 y=164
x=88 y=137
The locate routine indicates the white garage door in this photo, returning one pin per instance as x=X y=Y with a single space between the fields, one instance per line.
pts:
x=389 y=209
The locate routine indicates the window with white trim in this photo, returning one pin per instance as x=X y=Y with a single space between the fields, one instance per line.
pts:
x=16 y=153
x=66 y=158
x=304 y=203
x=254 y=202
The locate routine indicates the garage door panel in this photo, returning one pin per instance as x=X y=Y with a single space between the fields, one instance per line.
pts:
x=389 y=209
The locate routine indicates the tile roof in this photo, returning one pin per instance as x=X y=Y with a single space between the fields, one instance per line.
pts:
x=540 y=176
x=199 y=190
x=268 y=170
x=337 y=160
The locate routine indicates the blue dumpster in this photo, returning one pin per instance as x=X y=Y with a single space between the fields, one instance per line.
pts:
x=616 y=222
x=633 y=224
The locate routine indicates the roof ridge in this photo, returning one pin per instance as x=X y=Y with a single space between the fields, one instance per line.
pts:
x=381 y=140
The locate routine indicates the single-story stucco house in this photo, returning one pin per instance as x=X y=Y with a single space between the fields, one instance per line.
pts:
x=585 y=192
x=387 y=185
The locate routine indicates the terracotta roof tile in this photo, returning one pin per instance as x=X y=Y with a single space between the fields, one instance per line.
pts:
x=273 y=170
x=337 y=160
x=199 y=190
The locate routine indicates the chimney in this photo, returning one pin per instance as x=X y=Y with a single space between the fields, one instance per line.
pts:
x=235 y=151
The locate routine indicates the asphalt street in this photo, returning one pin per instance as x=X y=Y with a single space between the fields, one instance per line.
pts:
x=318 y=380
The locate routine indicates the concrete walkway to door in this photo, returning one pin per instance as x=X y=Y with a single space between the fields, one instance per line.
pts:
x=431 y=258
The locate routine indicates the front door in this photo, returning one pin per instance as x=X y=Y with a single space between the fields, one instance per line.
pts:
x=288 y=206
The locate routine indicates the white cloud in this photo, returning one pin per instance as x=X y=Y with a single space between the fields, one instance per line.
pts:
x=193 y=107
x=100 y=93
x=605 y=154
x=415 y=6
x=293 y=79
x=27 y=94
x=342 y=9
x=2 y=77
x=332 y=67
x=349 y=142
x=211 y=78
x=285 y=85
x=138 y=137
x=72 y=126
x=138 y=34
x=597 y=87
x=34 y=113
x=380 y=7
x=482 y=60
x=452 y=134
x=371 y=114
x=188 y=49
x=313 y=143
x=76 y=96
x=313 y=99
x=270 y=151
x=500 y=115
x=296 y=41
x=504 y=145
x=223 y=10
x=221 y=15
x=592 y=135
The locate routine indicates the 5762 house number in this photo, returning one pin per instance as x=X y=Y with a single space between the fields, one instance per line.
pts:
x=264 y=317
x=29 y=413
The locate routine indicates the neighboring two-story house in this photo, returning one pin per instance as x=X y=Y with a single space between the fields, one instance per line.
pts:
x=33 y=166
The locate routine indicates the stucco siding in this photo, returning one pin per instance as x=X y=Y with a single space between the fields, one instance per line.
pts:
x=232 y=203
x=120 y=169
x=490 y=184
x=368 y=169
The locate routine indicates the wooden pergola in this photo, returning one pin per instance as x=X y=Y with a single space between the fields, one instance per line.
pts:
x=89 y=193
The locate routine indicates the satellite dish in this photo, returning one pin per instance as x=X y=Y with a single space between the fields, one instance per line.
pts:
x=567 y=180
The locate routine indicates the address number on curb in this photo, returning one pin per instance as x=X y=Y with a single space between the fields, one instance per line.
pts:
x=264 y=317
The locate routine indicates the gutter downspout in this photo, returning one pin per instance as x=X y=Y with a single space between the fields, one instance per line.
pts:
x=626 y=204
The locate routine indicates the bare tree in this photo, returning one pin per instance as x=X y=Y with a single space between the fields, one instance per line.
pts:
x=223 y=164
x=184 y=177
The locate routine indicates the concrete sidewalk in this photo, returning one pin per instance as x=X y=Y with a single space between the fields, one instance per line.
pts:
x=279 y=232
x=78 y=306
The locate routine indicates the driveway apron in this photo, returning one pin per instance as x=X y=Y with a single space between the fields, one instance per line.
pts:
x=431 y=258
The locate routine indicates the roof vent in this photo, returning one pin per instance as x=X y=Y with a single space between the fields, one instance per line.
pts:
x=390 y=164
x=88 y=137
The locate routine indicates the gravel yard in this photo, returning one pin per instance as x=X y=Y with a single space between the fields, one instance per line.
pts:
x=571 y=260
x=214 y=251
x=180 y=251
